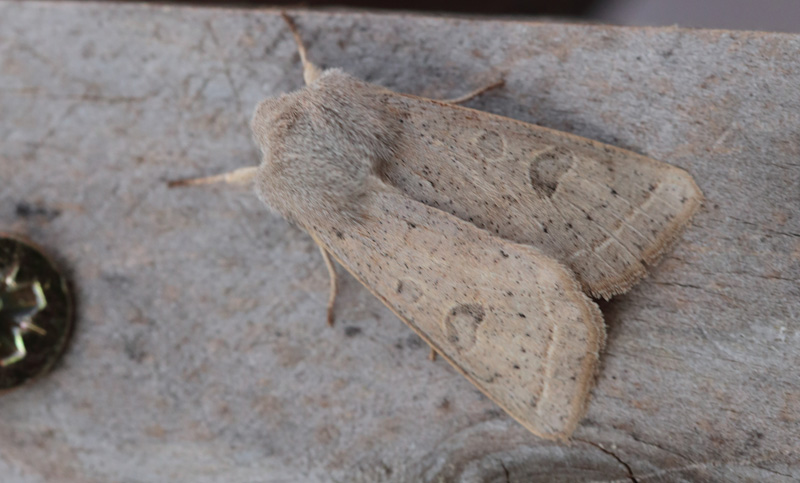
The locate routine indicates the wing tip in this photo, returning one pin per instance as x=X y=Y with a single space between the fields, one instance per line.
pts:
x=586 y=377
x=667 y=238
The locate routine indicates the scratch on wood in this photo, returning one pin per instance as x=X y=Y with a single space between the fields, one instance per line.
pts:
x=627 y=467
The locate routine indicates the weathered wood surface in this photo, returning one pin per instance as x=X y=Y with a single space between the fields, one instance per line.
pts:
x=201 y=352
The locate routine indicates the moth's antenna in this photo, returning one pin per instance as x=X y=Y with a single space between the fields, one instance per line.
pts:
x=241 y=176
x=310 y=71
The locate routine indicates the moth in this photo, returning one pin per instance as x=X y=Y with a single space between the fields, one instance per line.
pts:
x=486 y=235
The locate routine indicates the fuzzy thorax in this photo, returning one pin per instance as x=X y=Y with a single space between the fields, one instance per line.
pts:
x=322 y=146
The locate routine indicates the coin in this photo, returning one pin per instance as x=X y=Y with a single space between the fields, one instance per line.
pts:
x=36 y=312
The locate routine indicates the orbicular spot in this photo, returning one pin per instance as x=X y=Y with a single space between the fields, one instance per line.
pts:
x=409 y=290
x=460 y=325
x=547 y=168
x=490 y=144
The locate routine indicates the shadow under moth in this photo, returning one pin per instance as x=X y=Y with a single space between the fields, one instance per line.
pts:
x=486 y=235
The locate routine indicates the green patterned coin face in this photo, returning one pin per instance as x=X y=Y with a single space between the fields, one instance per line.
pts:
x=36 y=312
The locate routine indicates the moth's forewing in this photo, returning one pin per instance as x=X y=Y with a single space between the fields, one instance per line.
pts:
x=511 y=319
x=602 y=211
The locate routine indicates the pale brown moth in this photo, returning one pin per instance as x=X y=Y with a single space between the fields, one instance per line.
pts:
x=486 y=235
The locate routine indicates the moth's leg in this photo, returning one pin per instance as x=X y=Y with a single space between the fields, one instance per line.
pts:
x=476 y=92
x=332 y=272
x=310 y=71
x=432 y=355
x=241 y=176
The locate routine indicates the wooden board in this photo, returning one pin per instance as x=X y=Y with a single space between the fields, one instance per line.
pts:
x=201 y=352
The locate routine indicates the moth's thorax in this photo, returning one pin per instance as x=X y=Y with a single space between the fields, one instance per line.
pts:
x=320 y=145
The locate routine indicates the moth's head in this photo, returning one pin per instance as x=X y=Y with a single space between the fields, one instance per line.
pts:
x=314 y=163
x=335 y=112
x=273 y=118
x=321 y=144
x=279 y=127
